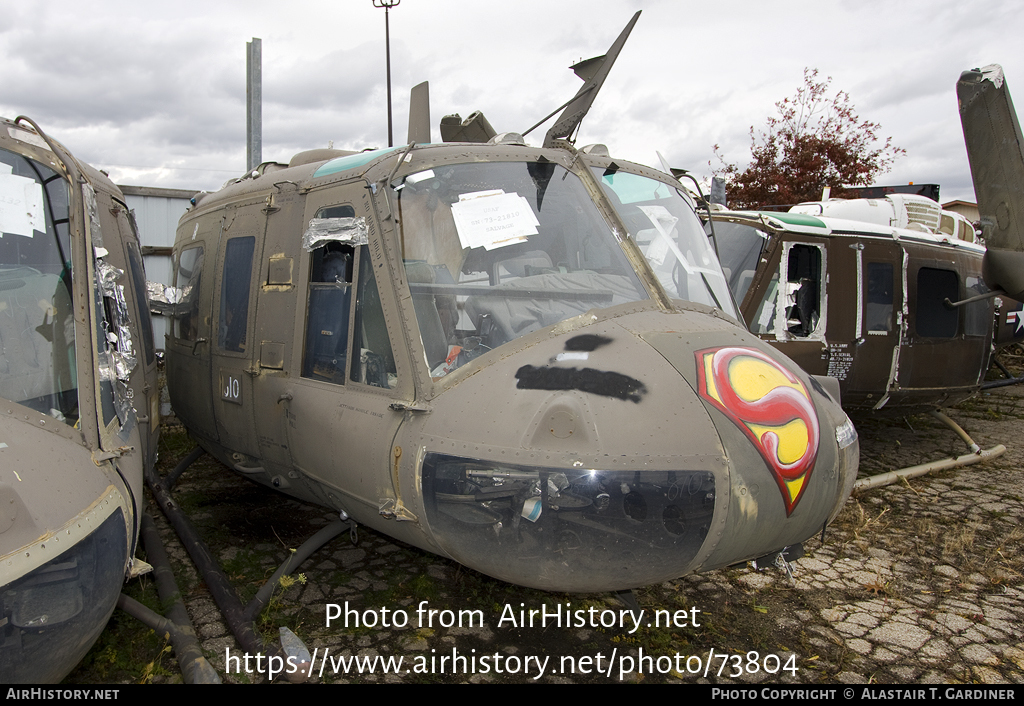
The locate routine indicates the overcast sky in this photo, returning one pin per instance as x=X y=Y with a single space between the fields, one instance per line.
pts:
x=155 y=92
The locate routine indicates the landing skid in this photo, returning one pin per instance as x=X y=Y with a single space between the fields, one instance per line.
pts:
x=1009 y=380
x=976 y=455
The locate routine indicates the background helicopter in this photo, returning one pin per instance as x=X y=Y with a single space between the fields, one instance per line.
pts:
x=461 y=346
x=78 y=359
x=857 y=290
x=884 y=294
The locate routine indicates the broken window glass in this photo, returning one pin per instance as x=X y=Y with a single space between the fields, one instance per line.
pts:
x=335 y=224
x=115 y=350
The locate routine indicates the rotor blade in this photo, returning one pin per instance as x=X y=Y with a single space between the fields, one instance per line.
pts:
x=578 y=106
x=995 y=149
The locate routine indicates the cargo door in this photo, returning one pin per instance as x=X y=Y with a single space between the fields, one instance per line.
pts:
x=232 y=342
x=279 y=322
x=868 y=368
x=959 y=338
x=188 y=342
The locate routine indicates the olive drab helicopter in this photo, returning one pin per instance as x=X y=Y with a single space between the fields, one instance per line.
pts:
x=79 y=414
x=460 y=345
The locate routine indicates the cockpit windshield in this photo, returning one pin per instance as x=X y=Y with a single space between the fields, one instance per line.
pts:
x=496 y=250
x=662 y=220
x=37 y=328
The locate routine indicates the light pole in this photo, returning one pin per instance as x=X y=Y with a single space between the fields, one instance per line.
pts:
x=387 y=5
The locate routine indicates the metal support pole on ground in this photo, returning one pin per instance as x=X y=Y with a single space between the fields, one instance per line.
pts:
x=239 y=619
x=216 y=580
x=177 y=626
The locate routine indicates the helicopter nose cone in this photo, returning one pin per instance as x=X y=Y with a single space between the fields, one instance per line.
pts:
x=793 y=452
x=628 y=455
x=582 y=462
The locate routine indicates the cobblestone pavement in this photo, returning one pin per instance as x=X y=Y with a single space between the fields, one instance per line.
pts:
x=916 y=582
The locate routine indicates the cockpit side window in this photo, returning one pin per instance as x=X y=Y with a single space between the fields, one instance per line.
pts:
x=373 y=361
x=187 y=279
x=764 y=318
x=137 y=279
x=739 y=247
x=663 y=222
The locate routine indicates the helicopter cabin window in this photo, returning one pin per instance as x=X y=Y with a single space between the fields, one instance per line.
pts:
x=947 y=225
x=803 y=274
x=187 y=279
x=934 y=319
x=37 y=328
x=234 y=294
x=966 y=232
x=879 y=299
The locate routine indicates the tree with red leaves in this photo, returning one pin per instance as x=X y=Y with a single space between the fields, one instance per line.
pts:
x=812 y=143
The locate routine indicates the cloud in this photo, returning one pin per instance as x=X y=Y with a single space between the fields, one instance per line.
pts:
x=162 y=86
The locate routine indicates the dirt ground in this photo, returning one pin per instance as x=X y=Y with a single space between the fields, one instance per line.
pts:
x=916 y=582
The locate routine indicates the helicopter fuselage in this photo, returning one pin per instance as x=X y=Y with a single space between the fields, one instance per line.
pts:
x=462 y=346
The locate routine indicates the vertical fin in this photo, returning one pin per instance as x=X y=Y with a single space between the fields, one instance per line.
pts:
x=419 y=114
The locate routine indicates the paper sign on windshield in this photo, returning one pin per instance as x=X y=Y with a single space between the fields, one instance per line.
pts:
x=21 y=205
x=493 y=219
